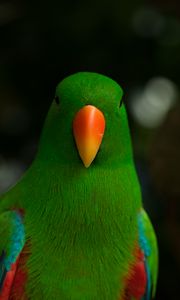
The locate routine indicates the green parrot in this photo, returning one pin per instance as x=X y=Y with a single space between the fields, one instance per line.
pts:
x=73 y=228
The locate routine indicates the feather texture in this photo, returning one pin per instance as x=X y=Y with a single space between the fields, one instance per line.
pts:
x=141 y=275
x=12 y=239
x=148 y=244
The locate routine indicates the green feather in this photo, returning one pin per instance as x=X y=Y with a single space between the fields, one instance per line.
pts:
x=82 y=223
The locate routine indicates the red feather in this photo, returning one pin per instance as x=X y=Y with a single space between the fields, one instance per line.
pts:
x=137 y=280
x=14 y=283
x=8 y=282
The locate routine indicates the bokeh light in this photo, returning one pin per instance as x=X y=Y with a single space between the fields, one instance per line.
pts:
x=150 y=105
x=10 y=172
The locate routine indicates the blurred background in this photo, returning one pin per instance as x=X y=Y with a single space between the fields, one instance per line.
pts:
x=137 y=43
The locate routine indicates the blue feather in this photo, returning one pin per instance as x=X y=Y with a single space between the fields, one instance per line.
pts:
x=145 y=246
x=142 y=238
x=17 y=242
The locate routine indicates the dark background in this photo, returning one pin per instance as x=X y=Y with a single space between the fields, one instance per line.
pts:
x=137 y=43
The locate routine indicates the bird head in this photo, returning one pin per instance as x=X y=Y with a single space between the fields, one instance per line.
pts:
x=87 y=124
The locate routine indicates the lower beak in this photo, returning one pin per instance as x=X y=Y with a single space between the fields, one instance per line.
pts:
x=88 y=130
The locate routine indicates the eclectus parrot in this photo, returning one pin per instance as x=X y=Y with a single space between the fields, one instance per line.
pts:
x=73 y=228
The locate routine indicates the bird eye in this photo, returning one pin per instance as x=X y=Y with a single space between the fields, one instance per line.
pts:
x=56 y=100
x=121 y=102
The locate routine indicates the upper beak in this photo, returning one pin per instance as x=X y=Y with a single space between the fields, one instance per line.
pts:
x=88 y=130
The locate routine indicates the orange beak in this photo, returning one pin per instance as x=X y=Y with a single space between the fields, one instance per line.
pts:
x=88 y=130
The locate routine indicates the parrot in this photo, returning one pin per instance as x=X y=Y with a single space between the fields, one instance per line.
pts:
x=73 y=227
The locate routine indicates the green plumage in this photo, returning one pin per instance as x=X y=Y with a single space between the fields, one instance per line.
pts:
x=81 y=223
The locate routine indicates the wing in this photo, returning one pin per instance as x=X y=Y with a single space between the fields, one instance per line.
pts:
x=140 y=282
x=148 y=244
x=12 y=240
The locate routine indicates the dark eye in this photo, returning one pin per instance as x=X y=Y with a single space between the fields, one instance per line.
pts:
x=56 y=100
x=121 y=102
